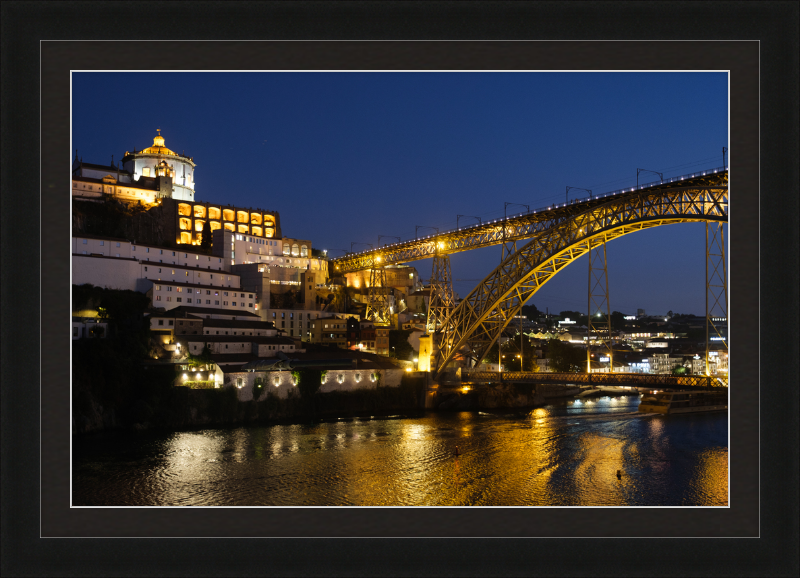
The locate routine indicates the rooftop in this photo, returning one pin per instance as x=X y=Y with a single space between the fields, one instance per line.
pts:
x=245 y=315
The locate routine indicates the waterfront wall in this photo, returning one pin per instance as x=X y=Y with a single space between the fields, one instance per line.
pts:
x=281 y=383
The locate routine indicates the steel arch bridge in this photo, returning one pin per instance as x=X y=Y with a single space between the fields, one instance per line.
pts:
x=556 y=237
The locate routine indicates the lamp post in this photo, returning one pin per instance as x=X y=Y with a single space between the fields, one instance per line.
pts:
x=394 y=353
x=661 y=175
x=458 y=217
x=418 y=227
x=578 y=189
x=388 y=237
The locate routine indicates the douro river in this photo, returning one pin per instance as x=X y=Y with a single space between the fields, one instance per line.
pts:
x=564 y=454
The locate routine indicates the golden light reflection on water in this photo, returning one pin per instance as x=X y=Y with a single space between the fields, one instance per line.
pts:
x=565 y=454
x=711 y=477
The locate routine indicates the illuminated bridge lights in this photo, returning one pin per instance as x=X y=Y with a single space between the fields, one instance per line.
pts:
x=528 y=225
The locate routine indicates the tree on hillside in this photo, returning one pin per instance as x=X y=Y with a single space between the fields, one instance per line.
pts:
x=399 y=345
x=205 y=242
x=565 y=357
x=511 y=352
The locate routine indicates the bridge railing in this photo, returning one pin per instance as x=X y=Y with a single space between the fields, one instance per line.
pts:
x=632 y=379
x=556 y=205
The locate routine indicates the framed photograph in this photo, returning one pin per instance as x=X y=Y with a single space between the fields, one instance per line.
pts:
x=326 y=153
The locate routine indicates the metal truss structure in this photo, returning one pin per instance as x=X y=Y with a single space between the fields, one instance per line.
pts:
x=716 y=286
x=629 y=379
x=562 y=239
x=598 y=298
x=511 y=229
x=378 y=309
x=442 y=298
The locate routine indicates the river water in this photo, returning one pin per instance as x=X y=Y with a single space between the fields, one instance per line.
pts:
x=563 y=454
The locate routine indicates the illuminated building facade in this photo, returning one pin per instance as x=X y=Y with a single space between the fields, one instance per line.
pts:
x=159 y=161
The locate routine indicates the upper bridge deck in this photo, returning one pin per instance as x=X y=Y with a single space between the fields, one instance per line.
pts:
x=516 y=227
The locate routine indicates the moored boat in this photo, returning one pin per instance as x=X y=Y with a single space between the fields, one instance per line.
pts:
x=684 y=401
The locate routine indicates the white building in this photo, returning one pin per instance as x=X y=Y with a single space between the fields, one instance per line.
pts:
x=171 y=294
x=158 y=160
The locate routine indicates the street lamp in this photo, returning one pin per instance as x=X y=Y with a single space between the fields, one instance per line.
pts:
x=394 y=354
x=578 y=189
x=661 y=175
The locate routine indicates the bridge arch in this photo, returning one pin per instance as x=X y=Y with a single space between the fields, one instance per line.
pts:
x=490 y=306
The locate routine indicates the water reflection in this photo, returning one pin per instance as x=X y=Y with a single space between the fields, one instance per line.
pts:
x=562 y=454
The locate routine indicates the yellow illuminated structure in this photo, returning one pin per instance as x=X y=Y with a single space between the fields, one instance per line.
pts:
x=556 y=237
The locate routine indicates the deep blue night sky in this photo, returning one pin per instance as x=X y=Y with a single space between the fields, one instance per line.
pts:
x=349 y=156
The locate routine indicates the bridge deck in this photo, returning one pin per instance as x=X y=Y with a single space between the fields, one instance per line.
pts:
x=630 y=379
x=513 y=228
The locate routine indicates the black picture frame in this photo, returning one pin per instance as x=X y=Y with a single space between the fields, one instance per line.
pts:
x=32 y=356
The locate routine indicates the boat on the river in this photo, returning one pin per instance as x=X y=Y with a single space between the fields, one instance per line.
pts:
x=684 y=401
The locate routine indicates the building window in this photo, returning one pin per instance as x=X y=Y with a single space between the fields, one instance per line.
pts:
x=250 y=305
x=161 y=322
x=178 y=299
x=216 y=302
x=169 y=298
x=133 y=247
x=147 y=250
x=208 y=301
x=158 y=287
x=189 y=300
x=145 y=268
x=158 y=298
x=84 y=241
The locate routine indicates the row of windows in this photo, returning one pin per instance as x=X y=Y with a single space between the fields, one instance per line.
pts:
x=102 y=243
x=208 y=301
x=199 y=291
x=85 y=253
x=226 y=214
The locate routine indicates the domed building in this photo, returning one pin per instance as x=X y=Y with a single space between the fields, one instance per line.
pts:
x=159 y=161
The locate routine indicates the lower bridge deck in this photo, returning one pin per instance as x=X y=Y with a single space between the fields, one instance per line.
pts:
x=625 y=379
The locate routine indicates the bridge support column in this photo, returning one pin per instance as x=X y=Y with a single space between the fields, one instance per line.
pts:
x=716 y=289
x=378 y=300
x=442 y=299
x=598 y=302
